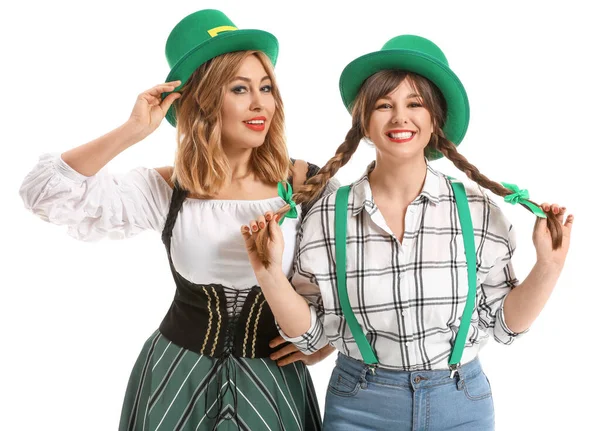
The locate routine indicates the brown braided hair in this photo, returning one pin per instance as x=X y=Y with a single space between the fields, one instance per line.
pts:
x=449 y=150
x=375 y=87
x=434 y=102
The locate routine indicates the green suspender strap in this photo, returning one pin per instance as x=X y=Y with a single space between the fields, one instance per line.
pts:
x=341 y=212
x=369 y=357
x=466 y=225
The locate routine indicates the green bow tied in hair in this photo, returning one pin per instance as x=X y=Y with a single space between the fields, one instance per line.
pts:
x=522 y=197
x=286 y=194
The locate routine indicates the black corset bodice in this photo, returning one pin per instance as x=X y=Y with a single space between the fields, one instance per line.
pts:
x=198 y=318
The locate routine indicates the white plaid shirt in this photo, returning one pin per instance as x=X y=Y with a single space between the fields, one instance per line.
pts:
x=408 y=297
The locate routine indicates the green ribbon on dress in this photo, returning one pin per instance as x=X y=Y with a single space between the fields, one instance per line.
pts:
x=286 y=194
x=521 y=197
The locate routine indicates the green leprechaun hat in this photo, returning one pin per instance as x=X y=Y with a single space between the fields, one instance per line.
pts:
x=421 y=56
x=204 y=35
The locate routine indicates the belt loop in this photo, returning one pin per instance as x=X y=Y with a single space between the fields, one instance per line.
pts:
x=363 y=373
x=363 y=376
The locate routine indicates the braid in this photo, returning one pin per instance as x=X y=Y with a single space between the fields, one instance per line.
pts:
x=314 y=186
x=448 y=149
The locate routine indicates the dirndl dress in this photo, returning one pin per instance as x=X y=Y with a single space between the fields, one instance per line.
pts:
x=207 y=367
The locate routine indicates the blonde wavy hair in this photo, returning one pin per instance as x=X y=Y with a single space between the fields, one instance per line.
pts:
x=201 y=165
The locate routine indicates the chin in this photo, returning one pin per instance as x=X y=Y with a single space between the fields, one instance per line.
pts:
x=250 y=145
x=404 y=154
x=244 y=142
x=254 y=140
x=255 y=144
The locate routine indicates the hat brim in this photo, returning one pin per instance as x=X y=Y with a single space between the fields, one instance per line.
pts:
x=359 y=70
x=231 y=41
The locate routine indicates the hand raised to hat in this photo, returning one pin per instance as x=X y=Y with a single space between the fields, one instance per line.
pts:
x=150 y=109
x=148 y=112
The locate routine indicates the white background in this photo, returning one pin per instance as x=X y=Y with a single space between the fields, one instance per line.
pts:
x=74 y=315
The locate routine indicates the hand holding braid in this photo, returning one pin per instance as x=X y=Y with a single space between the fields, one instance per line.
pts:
x=311 y=190
x=515 y=195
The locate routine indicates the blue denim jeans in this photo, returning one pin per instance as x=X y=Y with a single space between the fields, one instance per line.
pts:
x=397 y=400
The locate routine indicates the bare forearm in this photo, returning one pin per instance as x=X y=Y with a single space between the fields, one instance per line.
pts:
x=89 y=158
x=525 y=302
x=289 y=308
x=327 y=350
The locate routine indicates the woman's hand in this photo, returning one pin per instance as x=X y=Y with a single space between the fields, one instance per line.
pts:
x=150 y=109
x=290 y=353
x=525 y=302
x=275 y=243
x=543 y=241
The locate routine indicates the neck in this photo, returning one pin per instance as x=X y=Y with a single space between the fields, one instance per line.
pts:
x=398 y=181
x=239 y=162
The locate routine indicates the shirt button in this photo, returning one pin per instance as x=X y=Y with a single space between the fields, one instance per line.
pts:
x=404 y=312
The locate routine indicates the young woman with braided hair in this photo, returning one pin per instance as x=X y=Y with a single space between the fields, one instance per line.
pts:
x=407 y=272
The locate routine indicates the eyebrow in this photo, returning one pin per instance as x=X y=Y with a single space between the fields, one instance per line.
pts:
x=243 y=78
x=410 y=96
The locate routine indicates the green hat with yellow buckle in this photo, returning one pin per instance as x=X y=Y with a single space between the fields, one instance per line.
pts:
x=417 y=55
x=204 y=35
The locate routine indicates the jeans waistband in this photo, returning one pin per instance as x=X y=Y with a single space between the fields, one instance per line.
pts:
x=423 y=378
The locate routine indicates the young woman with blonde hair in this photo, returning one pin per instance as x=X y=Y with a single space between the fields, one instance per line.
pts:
x=209 y=365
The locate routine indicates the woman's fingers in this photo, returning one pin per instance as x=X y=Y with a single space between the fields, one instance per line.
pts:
x=167 y=87
x=276 y=341
x=245 y=231
x=168 y=101
x=258 y=224
x=261 y=222
x=253 y=225
x=284 y=351
x=569 y=224
x=290 y=359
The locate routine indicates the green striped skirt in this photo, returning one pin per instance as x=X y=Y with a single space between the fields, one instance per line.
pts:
x=172 y=388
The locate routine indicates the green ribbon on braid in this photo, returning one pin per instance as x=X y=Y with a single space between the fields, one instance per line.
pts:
x=286 y=194
x=521 y=197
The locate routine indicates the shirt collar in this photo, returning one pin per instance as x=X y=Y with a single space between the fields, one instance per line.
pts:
x=363 y=196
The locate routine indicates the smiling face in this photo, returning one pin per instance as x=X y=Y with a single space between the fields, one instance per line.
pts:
x=400 y=126
x=248 y=106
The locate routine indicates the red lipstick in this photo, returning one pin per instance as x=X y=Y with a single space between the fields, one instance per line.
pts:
x=400 y=136
x=257 y=123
